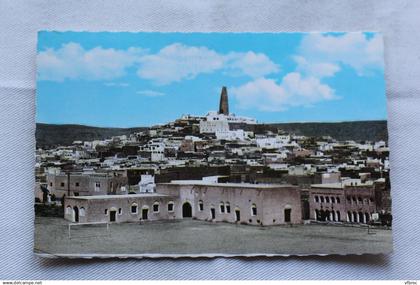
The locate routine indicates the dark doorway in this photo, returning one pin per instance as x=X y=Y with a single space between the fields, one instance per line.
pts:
x=354 y=217
x=327 y=215
x=145 y=214
x=323 y=215
x=361 y=217
x=306 y=215
x=113 y=216
x=238 y=215
x=213 y=213
x=76 y=214
x=287 y=215
x=186 y=210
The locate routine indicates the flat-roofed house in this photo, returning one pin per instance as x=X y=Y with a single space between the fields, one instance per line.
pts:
x=84 y=184
x=120 y=208
x=256 y=204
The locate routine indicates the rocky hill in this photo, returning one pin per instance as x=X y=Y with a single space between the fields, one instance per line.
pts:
x=355 y=130
x=48 y=135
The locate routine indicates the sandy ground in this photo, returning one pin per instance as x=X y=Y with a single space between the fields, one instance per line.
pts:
x=198 y=237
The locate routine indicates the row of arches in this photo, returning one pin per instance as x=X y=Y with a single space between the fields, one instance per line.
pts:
x=350 y=200
x=358 y=217
x=359 y=200
x=75 y=213
x=335 y=216
x=327 y=199
x=327 y=215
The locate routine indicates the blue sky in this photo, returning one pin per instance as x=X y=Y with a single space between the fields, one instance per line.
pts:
x=141 y=79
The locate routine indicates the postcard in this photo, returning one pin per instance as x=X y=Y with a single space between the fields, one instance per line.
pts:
x=211 y=144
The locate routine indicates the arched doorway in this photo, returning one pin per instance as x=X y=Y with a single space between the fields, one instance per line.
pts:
x=69 y=211
x=338 y=216
x=186 y=210
x=76 y=214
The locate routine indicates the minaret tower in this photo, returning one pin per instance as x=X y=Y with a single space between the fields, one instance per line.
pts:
x=224 y=103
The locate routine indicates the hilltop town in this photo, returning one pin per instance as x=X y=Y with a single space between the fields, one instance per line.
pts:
x=216 y=167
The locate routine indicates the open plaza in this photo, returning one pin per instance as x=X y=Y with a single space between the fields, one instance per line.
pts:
x=200 y=238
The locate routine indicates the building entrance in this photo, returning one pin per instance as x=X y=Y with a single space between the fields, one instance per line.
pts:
x=287 y=215
x=186 y=210
x=213 y=213
x=76 y=214
x=113 y=216
x=237 y=215
x=145 y=214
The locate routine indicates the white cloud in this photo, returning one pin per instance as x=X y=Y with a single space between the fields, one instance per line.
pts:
x=319 y=56
x=177 y=62
x=306 y=90
x=262 y=94
x=252 y=64
x=150 y=93
x=172 y=63
x=364 y=54
x=317 y=69
x=294 y=90
x=72 y=61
